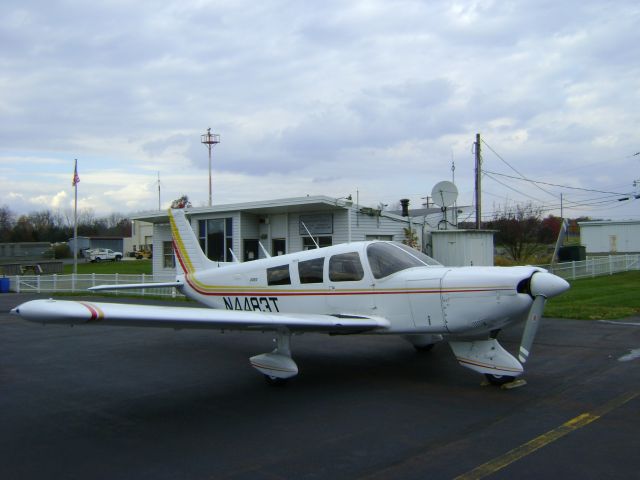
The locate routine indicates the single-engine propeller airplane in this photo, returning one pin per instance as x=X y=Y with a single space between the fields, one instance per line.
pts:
x=372 y=287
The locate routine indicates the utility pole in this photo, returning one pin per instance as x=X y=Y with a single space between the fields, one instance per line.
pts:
x=478 y=182
x=209 y=139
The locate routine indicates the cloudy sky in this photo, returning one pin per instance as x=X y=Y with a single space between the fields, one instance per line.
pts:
x=320 y=98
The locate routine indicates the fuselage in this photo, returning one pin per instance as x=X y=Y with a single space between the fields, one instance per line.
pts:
x=383 y=279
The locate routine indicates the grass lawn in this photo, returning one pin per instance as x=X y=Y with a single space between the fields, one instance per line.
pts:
x=600 y=298
x=130 y=267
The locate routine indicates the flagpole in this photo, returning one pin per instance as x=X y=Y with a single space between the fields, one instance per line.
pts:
x=75 y=219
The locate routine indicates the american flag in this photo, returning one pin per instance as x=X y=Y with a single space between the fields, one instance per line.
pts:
x=76 y=178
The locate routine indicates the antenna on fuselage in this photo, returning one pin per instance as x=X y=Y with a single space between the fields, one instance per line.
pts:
x=313 y=239
x=233 y=255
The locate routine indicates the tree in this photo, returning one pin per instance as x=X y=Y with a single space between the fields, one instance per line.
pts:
x=23 y=230
x=48 y=226
x=43 y=225
x=519 y=231
x=549 y=229
x=7 y=222
x=182 y=202
x=410 y=238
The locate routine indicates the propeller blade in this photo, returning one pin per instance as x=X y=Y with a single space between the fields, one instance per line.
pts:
x=531 y=327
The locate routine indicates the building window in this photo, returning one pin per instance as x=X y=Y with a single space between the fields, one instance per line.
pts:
x=310 y=271
x=278 y=246
x=168 y=259
x=307 y=242
x=278 y=275
x=345 y=267
x=216 y=238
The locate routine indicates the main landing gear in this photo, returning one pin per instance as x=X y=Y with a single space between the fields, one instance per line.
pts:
x=277 y=366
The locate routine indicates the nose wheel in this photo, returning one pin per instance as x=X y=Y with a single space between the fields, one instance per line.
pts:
x=498 y=379
x=275 y=381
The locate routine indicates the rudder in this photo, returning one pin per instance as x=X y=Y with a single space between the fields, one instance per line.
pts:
x=189 y=256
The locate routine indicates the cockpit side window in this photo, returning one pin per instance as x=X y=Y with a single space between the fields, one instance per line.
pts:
x=426 y=259
x=278 y=275
x=345 y=267
x=310 y=271
x=388 y=258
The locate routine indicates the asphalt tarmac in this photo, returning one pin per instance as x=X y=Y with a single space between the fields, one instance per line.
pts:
x=137 y=403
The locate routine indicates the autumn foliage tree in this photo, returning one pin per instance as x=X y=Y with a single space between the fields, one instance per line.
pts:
x=522 y=231
x=57 y=226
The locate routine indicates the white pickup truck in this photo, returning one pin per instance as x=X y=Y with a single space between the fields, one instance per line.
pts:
x=101 y=254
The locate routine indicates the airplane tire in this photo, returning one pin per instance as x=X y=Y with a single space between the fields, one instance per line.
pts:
x=499 y=379
x=275 y=381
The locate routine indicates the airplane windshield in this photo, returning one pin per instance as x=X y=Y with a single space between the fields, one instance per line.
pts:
x=386 y=258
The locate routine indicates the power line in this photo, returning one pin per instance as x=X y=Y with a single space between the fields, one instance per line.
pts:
x=555 y=184
x=514 y=169
x=511 y=188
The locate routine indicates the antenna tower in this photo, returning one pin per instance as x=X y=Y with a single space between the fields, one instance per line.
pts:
x=209 y=140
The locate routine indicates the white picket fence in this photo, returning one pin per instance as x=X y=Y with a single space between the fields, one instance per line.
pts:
x=81 y=282
x=592 y=267
x=595 y=266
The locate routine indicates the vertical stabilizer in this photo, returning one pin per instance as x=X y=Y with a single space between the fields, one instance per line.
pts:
x=189 y=256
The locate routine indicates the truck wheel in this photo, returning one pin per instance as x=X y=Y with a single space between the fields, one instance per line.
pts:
x=118 y=258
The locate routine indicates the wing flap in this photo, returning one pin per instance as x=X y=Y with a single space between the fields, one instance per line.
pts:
x=81 y=312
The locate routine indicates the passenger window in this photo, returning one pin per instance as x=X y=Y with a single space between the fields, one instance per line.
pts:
x=311 y=270
x=345 y=267
x=278 y=275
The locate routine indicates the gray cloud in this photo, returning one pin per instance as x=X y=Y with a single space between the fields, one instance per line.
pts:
x=313 y=90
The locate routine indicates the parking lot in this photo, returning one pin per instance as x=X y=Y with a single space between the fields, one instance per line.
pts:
x=117 y=402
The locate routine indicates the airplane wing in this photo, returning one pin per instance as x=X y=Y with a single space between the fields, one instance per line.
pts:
x=82 y=312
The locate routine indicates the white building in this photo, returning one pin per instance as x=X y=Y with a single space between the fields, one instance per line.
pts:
x=280 y=226
x=141 y=237
x=463 y=248
x=610 y=237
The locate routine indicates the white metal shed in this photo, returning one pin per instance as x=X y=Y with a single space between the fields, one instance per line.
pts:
x=459 y=248
x=610 y=237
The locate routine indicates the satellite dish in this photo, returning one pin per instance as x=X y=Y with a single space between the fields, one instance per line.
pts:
x=444 y=193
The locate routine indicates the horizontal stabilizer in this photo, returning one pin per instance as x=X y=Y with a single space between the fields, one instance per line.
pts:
x=132 y=286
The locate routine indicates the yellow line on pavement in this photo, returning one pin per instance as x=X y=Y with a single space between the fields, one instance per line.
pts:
x=531 y=446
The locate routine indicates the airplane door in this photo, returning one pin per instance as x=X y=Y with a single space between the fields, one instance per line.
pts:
x=349 y=286
x=426 y=303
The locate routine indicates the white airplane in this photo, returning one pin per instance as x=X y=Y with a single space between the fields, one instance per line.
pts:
x=373 y=287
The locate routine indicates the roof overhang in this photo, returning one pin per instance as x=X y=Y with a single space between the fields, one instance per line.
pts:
x=264 y=207
x=593 y=223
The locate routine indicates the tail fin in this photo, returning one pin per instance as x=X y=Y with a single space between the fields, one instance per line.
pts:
x=190 y=257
